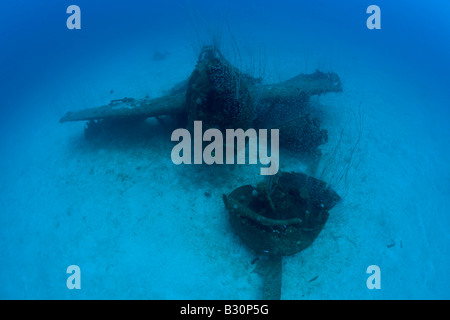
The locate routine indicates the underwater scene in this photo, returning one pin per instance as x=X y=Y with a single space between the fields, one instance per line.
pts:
x=225 y=150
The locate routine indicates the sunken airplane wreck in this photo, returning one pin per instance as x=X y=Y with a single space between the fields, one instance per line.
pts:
x=285 y=212
x=222 y=97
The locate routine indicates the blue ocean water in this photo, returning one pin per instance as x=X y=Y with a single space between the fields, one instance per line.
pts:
x=140 y=227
